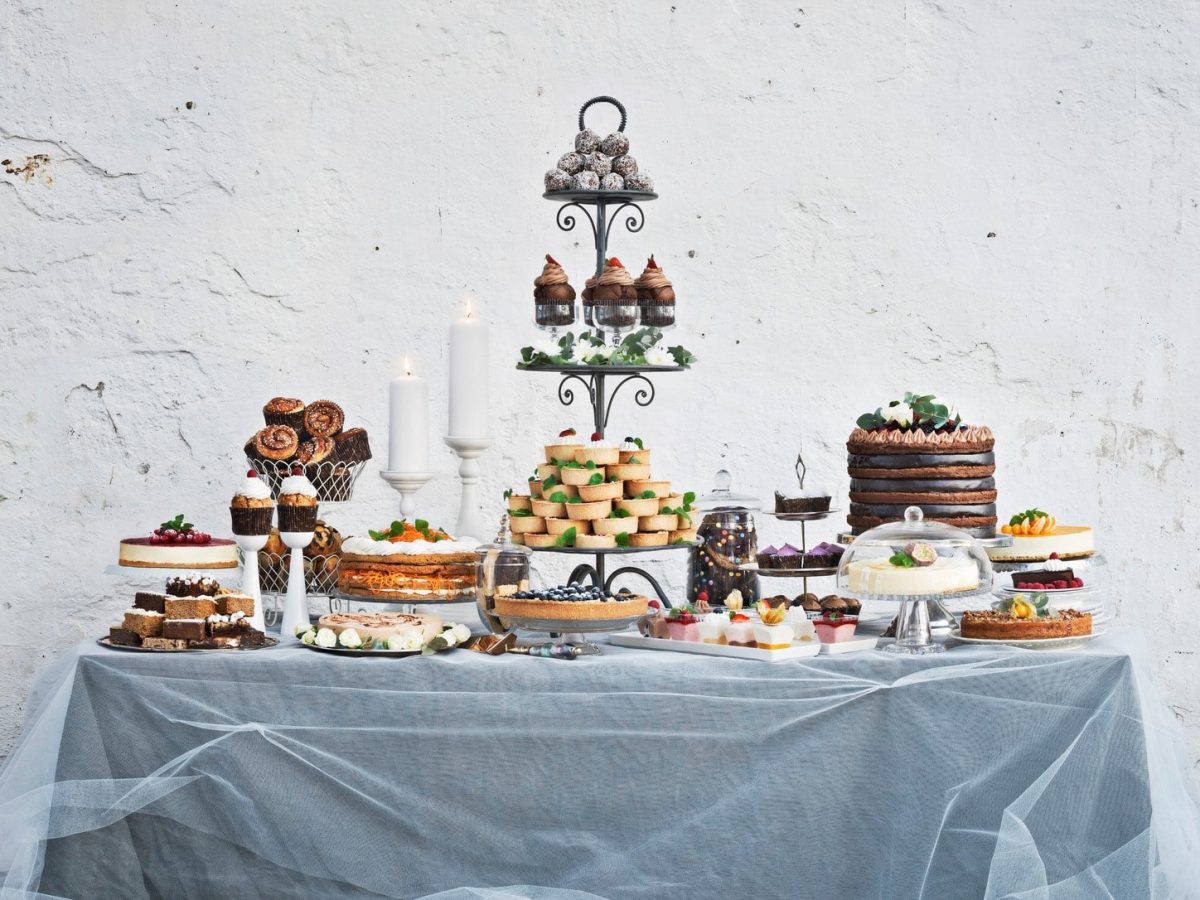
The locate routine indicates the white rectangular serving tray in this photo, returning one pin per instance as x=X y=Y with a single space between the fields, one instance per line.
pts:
x=796 y=651
x=861 y=642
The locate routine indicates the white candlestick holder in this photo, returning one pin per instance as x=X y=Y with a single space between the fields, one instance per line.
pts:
x=407 y=484
x=250 y=544
x=470 y=516
x=295 y=604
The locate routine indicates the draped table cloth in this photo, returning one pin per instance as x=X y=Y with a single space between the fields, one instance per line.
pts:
x=983 y=772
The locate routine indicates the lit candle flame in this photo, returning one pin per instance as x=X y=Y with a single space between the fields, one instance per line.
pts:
x=407 y=365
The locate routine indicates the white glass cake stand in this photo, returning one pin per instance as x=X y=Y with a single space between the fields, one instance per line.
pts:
x=894 y=541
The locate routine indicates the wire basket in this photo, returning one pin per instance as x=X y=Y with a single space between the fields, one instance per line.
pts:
x=320 y=573
x=334 y=481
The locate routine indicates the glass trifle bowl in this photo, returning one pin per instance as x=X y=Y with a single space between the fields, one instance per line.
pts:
x=913 y=563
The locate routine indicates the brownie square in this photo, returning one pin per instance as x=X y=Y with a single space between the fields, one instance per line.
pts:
x=190 y=607
x=164 y=644
x=123 y=637
x=215 y=643
x=253 y=638
x=150 y=601
x=184 y=629
x=228 y=604
x=194 y=586
x=143 y=623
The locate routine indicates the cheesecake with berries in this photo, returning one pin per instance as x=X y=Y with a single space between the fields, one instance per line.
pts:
x=177 y=544
x=918 y=451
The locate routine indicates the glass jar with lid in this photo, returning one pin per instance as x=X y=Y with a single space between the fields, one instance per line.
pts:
x=503 y=570
x=726 y=540
x=912 y=563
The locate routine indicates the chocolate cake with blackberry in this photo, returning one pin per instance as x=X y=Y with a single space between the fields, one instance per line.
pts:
x=918 y=452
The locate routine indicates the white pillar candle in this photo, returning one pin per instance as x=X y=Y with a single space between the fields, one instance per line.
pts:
x=469 y=377
x=408 y=421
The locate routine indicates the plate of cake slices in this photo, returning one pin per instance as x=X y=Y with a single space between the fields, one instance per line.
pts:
x=192 y=613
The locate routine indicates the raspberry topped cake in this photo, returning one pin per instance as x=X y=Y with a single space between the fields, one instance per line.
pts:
x=919 y=452
x=176 y=544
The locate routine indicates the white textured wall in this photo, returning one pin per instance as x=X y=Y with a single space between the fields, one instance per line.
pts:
x=830 y=175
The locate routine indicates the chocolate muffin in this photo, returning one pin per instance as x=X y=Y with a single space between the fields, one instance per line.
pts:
x=352 y=446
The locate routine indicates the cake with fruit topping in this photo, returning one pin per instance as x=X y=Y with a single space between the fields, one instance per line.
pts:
x=176 y=544
x=1019 y=624
x=1055 y=575
x=1037 y=536
x=407 y=561
x=575 y=602
x=919 y=452
x=916 y=570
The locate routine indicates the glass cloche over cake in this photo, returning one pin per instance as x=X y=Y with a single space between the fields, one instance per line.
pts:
x=914 y=560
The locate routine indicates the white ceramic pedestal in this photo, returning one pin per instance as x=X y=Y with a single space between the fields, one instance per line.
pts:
x=407 y=484
x=470 y=517
x=250 y=544
x=295 y=604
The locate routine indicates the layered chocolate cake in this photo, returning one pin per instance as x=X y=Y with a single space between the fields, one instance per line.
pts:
x=918 y=452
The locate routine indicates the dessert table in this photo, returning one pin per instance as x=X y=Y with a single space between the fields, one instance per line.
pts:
x=983 y=772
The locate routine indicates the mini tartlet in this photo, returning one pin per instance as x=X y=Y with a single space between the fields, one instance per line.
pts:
x=632 y=451
x=561 y=526
x=582 y=475
x=597 y=509
x=595 y=541
x=608 y=490
x=563 y=447
x=639 y=507
x=659 y=522
x=518 y=502
x=637 y=487
x=549 y=509
x=616 y=525
x=628 y=471
x=530 y=524
x=648 y=539
x=599 y=451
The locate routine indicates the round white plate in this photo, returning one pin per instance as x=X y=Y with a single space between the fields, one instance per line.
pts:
x=1037 y=644
x=1050 y=592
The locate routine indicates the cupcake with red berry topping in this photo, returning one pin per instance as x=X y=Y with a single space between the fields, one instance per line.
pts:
x=656 y=296
x=553 y=296
x=563 y=447
x=252 y=507
x=297 y=503
x=615 y=297
x=598 y=452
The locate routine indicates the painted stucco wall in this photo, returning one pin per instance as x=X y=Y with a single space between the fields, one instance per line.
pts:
x=214 y=203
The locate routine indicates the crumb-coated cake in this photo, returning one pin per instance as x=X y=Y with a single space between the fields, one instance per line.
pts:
x=1008 y=626
x=918 y=452
x=571 y=602
x=407 y=561
x=383 y=625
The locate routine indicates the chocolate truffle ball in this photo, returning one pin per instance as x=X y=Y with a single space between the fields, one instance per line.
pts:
x=587 y=181
x=616 y=144
x=639 y=181
x=598 y=163
x=587 y=141
x=570 y=163
x=558 y=180
x=625 y=165
x=612 y=182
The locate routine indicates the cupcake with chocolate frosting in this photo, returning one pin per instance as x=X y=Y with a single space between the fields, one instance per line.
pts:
x=656 y=296
x=615 y=296
x=553 y=296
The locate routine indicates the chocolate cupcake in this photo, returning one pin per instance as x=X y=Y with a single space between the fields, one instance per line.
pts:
x=297 y=503
x=323 y=418
x=553 y=296
x=285 y=411
x=615 y=297
x=352 y=446
x=656 y=296
x=251 y=508
x=277 y=443
x=809 y=602
x=823 y=556
x=834 y=603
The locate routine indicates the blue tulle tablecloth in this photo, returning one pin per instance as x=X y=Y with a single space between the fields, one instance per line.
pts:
x=288 y=773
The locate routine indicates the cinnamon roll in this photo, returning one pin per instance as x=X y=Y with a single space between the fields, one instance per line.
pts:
x=323 y=418
x=277 y=442
x=316 y=450
x=285 y=411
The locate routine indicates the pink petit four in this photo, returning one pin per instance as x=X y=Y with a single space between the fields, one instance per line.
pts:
x=834 y=628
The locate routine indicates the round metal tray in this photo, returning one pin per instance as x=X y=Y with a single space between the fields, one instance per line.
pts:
x=569 y=626
x=600 y=370
x=104 y=642
x=345 y=651
x=820 y=572
x=591 y=198
x=814 y=516
x=408 y=600
x=612 y=551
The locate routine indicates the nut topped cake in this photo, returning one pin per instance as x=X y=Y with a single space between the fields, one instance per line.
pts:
x=918 y=452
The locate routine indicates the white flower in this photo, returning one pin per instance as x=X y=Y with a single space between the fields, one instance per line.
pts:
x=549 y=346
x=598 y=355
x=656 y=356
x=461 y=633
x=300 y=629
x=350 y=639
x=901 y=414
x=408 y=639
x=309 y=636
x=449 y=637
x=326 y=637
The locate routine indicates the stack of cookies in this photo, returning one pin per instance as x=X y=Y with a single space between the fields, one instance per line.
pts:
x=312 y=435
x=192 y=614
x=598 y=495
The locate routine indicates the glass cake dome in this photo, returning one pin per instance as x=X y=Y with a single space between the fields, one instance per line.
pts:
x=503 y=569
x=912 y=563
